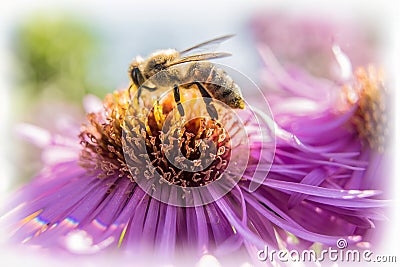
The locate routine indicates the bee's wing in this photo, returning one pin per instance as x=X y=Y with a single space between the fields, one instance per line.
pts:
x=199 y=57
x=210 y=45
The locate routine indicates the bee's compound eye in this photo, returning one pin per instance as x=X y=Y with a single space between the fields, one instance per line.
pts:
x=158 y=66
x=135 y=75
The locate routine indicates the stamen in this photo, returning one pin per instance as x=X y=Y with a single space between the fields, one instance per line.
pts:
x=105 y=153
x=369 y=94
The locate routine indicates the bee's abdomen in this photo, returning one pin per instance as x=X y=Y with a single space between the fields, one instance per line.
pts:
x=222 y=87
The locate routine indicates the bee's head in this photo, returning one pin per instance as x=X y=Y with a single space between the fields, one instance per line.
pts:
x=135 y=73
x=159 y=61
x=140 y=70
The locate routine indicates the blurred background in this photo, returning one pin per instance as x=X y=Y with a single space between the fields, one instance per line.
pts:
x=53 y=53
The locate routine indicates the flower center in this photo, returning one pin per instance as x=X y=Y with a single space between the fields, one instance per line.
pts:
x=128 y=140
x=194 y=156
x=101 y=139
x=188 y=153
x=369 y=94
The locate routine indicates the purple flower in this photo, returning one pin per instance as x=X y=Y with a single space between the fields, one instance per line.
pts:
x=315 y=191
x=330 y=135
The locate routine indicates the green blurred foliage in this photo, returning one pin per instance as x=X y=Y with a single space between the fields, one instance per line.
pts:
x=54 y=55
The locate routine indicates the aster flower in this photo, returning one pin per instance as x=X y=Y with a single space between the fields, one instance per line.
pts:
x=345 y=123
x=121 y=189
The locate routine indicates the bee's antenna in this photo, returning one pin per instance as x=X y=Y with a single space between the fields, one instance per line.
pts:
x=129 y=90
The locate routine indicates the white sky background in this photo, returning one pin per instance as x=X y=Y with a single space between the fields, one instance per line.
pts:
x=140 y=27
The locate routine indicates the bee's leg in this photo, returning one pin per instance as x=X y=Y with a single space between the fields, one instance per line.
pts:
x=150 y=89
x=139 y=92
x=177 y=98
x=208 y=101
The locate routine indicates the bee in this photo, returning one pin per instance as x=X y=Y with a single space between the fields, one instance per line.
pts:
x=211 y=81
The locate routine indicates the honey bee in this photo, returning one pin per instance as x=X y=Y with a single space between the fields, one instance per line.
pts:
x=212 y=82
